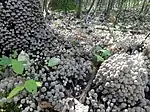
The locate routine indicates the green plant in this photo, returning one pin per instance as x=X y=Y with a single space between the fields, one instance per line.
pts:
x=53 y=62
x=5 y=61
x=30 y=85
x=15 y=91
x=100 y=54
x=7 y=106
x=16 y=65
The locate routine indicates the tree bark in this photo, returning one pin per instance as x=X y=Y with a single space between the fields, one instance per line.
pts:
x=79 y=6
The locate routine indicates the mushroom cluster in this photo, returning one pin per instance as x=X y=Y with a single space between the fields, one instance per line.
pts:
x=119 y=85
x=22 y=27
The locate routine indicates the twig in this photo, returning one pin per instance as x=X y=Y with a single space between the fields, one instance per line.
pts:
x=146 y=38
x=84 y=93
x=147 y=35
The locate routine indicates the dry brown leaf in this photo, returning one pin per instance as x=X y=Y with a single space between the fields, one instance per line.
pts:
x=45 y=105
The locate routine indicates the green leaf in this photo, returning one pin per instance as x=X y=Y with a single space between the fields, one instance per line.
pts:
x=99 y=58
x=31 y=86
x=105 y=52
x=15 y=91
x=23 y=57
x=97 y=48
x=39 y=84
x=17 y=66
x=5 y=61
x=53 y=62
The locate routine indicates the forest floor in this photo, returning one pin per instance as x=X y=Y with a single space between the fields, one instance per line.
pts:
x=96 y=30
x=130 y=30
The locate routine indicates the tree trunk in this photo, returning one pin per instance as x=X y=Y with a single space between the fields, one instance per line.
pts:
x=91 y=6
x=79 y=6
x=143 y=6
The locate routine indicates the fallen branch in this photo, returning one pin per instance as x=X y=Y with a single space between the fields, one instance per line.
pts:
x=85 y=91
